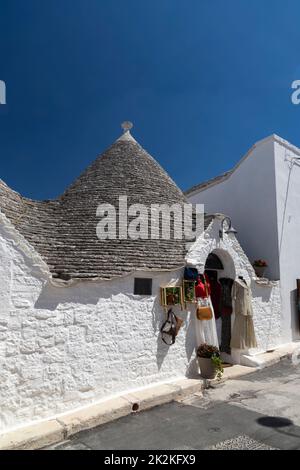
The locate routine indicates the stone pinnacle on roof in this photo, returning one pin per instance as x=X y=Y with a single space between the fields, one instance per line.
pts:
x=126 y=126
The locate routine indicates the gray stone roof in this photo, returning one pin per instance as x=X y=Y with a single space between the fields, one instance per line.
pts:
x=63 y=231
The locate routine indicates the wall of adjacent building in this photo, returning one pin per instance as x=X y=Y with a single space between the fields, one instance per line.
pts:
x=248 y=197
x=287 y=161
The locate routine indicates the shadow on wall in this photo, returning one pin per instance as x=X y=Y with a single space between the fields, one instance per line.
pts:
x=158 y=317
x=187 y=332
x=81 y=293
x=191 y=344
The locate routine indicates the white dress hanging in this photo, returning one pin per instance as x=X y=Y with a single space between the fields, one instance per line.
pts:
x=206 y=330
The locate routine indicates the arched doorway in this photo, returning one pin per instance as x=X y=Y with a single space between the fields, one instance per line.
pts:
x=220 y=269
x=221 y=261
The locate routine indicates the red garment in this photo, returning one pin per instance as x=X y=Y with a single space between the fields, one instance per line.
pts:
x=200 y=289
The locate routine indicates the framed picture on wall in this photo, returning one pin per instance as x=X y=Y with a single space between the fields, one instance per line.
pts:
x=171 y=295
x=189 y=293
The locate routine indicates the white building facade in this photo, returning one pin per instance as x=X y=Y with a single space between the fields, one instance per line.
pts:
x=72 y=329
x=262 y=196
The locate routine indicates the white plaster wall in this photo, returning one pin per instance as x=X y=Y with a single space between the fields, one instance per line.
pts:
x=266 y=298
x=288 y=204
x=267 y=315
x=248 y=197
x=63 y=347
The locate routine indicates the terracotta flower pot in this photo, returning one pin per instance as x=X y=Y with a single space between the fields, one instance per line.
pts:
x=259 y=270
x=207 y=368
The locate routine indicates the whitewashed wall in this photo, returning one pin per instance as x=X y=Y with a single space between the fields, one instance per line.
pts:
x=248 y=196
x=288 y=207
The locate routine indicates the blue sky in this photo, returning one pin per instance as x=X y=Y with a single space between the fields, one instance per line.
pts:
x=201 y=80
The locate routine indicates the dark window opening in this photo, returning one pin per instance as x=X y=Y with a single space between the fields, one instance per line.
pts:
x=213 y=262
x=142 y=286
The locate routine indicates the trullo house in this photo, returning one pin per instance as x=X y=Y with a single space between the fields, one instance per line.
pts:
x=80 y=317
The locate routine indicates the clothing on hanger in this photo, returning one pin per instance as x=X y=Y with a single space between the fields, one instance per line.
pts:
x=202 y=287
x=206 y=331
x=243 y=334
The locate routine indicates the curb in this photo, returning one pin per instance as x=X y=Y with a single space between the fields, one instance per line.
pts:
x=50 y=432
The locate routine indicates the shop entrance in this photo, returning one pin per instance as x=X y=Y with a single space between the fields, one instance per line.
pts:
x=220 y=270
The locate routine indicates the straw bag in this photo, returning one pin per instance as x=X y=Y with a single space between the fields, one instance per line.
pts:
x=204 y=311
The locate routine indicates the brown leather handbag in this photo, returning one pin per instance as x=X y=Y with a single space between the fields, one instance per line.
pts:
x=170 y=328
x=204 y=312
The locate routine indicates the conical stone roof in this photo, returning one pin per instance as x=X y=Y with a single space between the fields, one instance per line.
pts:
x=63 y=231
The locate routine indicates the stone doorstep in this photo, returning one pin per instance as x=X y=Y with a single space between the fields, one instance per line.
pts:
x=46 y=433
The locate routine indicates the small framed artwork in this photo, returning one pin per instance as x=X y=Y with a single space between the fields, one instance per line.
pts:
x=189 y=293
x=171 y=295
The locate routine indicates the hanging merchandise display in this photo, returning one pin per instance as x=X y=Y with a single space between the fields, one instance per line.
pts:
x=204 y=310
x=189 y=292
x=243 y=334
x=190 y=274
x=171 y=295
x=205 y=327
x=202 y=286
x=216 y=291
x=170 y=328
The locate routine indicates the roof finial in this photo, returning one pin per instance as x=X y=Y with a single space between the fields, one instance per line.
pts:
x=126 y=126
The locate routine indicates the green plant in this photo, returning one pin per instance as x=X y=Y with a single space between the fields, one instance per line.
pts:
x=217 y=362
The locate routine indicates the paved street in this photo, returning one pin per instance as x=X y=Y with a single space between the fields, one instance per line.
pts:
x=259 y=411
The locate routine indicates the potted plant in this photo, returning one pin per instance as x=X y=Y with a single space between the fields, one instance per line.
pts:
x=209 y=361
x=259 y=266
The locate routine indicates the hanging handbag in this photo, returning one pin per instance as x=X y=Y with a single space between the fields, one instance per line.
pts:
x=170 y=328
x=204 y=310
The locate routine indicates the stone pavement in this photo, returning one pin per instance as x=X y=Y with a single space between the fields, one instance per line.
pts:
x=258 y=411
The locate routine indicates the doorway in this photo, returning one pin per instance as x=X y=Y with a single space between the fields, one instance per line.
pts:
x=220 y=270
